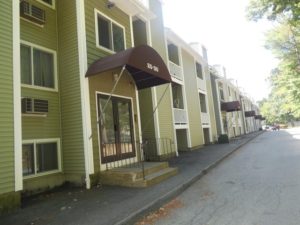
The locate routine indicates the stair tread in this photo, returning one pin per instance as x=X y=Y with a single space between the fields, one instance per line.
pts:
x=160 y=173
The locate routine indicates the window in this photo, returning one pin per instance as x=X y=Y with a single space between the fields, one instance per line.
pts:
x=221 y=92
x=229 y=93
x=173 y=53
x=199 y=70
x=203 y=103
x=177 y=96
x=37 y=67
x=110 y=35
x=40 y=156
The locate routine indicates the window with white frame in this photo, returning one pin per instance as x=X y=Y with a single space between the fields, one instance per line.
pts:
x=40 y=157
x=37 y=67
x=110 y=35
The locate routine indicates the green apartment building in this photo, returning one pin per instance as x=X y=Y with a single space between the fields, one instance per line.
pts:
x=193 y=107
x=78 y=91
x=89 y=85
x=235 y=113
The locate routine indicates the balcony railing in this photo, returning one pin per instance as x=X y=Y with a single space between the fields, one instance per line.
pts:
x=205 y=118
x=175 y=71
x=201 y=84
x=180 y=116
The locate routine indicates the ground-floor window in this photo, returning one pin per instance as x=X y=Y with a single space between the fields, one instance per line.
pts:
x=40 y=156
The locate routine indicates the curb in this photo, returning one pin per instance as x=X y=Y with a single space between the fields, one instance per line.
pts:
x=155 y=204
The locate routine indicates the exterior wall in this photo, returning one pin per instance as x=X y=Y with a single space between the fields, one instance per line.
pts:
x=93 y=52
x=70 y=96
x=216 y=101
x=211 y=106
x=165 y=113
x=45 y=35
x=192 y=100
x=103 y=83
x=8 y=198
x=37 y=127
x=146 y=111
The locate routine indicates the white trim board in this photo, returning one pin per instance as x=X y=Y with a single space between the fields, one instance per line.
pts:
x=17 y=96
x=84 y=91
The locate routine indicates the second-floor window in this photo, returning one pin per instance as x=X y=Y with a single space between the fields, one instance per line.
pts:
x=221 y=92
x=111 y=36
x=199 y=70
x=37 y=67
x=203 y=103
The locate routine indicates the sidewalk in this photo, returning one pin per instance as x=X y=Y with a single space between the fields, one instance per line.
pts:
x=118 y=205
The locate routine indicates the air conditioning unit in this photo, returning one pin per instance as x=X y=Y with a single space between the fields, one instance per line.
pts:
x=34 y=106
x=32 y=13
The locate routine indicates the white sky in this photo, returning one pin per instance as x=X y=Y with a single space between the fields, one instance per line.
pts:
x=230 y=39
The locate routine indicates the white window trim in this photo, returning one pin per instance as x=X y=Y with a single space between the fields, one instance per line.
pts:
x=53 y=52
x=40 y=141
x=97 y=12
x=33 y=23
x=52 y=6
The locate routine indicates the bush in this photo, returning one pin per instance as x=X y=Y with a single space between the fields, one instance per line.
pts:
x=223 y=138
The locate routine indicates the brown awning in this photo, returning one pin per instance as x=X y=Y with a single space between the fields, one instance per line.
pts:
x=250 y=113
x=230 y=106
x=144 y=64
x=259 y=117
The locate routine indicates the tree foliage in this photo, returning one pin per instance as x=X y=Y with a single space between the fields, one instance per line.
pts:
x=283 y=103
x=272 y=9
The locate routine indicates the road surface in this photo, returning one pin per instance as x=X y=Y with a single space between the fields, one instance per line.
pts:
x=258 y=185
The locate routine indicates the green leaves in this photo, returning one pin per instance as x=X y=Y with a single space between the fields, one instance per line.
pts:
x=273 y=9
x=283 y=103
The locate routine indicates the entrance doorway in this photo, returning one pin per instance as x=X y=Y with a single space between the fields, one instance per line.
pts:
x=116 y=128
x=206 y=136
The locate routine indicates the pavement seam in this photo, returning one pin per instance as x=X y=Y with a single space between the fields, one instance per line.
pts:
x=155 y=204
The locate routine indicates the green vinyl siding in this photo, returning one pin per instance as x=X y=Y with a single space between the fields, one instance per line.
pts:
x=158 y=43
x=192 y=98
x=70 y=97
x=146 y=112
x=6 y=100
x=45 y=35
x=39 y=127
x=114 y=14
x=42 y=183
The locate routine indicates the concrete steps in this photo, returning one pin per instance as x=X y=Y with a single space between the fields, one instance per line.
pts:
x=155 y=172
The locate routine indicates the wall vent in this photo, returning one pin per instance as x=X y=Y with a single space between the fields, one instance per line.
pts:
x=32 y=13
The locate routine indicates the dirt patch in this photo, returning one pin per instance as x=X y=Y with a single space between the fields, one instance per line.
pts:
x=162 y=212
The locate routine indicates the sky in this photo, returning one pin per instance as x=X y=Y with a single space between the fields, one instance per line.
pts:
x=231 y=40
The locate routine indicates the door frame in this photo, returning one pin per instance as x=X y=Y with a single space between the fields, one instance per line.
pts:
x=104 y=160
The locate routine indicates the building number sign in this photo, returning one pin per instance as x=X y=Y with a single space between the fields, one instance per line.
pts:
x=152 y=67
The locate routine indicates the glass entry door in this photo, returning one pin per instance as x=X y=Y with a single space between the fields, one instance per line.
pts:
x=116 y=128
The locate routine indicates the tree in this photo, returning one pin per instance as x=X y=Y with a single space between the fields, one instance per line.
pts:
x=272 y=9
x=283 y=103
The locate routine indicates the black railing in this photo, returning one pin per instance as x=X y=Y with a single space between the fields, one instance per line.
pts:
x=133 y=155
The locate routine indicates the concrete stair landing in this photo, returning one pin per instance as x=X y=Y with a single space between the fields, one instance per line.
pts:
x=155 y=172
